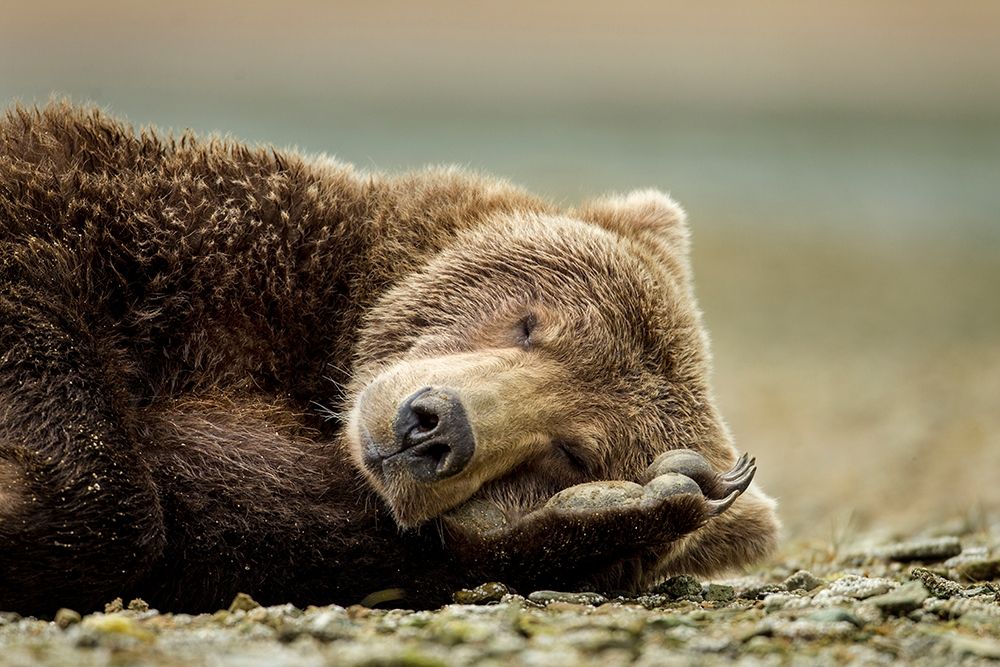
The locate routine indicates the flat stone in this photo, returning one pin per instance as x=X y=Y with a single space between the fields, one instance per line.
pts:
x=484 y=594
x=980 y=570
x=981 y=648
x=860 y=588
x=719 y=593
x=937 y=585
x=545 y=597
x=931 y=549
x=683 y=586
x=834 y=615
x=901 y=601
x=803 y=581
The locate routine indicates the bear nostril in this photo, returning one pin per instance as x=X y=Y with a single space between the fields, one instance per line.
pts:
x=434 y=438
x=426 y=421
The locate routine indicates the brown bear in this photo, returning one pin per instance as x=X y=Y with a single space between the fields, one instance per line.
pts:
x=230 y=369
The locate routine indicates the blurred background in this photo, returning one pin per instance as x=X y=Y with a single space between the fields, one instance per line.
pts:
x=840 y=163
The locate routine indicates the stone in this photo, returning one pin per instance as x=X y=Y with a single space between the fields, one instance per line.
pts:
x=929 y=550
x=901 y=601
x=834 y=615
x=980 y=570
x=66 y=617
x=682 y=586
x=242 y=602
x=483 y=594
x=860 y=588
x=719 y=593
x=545 y=597
x=803 y=581
x=935 y=584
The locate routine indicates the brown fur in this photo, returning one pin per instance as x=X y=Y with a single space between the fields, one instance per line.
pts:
x=192 y=333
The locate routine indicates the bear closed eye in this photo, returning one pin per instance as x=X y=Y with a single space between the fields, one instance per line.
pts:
x=511 y=381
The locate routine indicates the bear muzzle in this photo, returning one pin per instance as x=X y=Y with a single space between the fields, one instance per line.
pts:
x=433 y=438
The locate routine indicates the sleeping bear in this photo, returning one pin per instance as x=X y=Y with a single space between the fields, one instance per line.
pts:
x=227 y=368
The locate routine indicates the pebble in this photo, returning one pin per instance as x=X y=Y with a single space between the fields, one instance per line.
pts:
x=930 y=549
x=484 y=594
x=859 y=588
x=937 y=585
x=834 y=615
x=682 y=586
x=902 y=600
x=545 y=597
x=66 y=617
x=980 y=570
x=804 y=581
x=718 y=593
x=242 y=602
x=981 y=648
x=759 y=591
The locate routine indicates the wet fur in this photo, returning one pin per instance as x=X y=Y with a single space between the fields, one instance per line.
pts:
x=185 y=322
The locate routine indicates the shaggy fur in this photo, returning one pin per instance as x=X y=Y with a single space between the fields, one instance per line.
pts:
x=193 y=333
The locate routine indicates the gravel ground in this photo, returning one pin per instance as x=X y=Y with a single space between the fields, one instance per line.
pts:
x=925 y=601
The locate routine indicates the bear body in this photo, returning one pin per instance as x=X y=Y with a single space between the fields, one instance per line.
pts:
x=232 y=369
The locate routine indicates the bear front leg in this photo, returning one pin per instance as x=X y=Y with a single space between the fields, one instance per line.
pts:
x=79 y=516
x=606 y=533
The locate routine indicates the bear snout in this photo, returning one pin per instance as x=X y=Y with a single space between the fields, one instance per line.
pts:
x=433 y=436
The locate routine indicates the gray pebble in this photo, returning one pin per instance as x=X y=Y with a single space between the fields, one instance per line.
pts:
x=683 y=586
x=545 y=597
x=859 y=588
x=835 y=615
x=484 y=594
x=901 y=601
x=803 y=581
x=719 y=593
x=931 y=549
x=937 y=585
x=980 y=570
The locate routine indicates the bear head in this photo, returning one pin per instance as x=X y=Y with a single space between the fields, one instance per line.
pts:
x=532 y=353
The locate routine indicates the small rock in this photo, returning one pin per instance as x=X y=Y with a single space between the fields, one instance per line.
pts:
x=114 y=606
x=719 y=593
x=117 y=624
x=901 y=601
x=938 y=586
x=545 y=597
x=484 y=594
x=67 y=617
x=932 y=549
x=803 y=581
x=981 y=648
x=980 y=570
x=138 y=604
x=859 y=588
x=683 y=586
x=759 y=591
x=242 y=602
x=835 y=615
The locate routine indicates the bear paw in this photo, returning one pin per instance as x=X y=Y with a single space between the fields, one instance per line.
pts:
x=673 y=473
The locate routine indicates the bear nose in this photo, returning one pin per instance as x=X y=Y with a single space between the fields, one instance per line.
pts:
x=434 y=438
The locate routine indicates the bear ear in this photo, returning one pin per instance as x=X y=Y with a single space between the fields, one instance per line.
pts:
x=648 y=216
